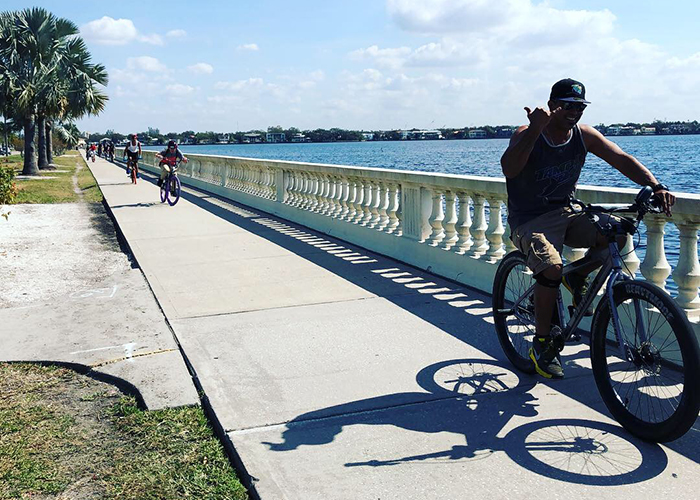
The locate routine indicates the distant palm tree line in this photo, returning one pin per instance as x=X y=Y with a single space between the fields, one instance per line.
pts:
x=47 y=80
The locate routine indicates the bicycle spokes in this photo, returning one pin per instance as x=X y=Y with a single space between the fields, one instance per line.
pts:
x=648 y=376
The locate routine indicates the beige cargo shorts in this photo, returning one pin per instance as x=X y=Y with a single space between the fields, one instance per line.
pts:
x=542 y=239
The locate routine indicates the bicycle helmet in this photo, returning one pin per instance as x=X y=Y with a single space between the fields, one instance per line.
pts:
x=172 y=143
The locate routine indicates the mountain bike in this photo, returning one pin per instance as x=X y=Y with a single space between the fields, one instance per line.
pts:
x=170 y=189
x=644 y=353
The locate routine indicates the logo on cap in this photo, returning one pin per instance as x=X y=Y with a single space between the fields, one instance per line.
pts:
x=577 y=88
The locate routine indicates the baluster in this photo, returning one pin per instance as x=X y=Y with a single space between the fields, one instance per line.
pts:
x=436 y=217
x=374 y=207
x=495 y=230
x=322 y=194
x=630 y=257
x=294 y=198
x=450 y=221
x=464 y=222
x=399 y=215
x=393 y=208
x=308 y=191
x=331 y=206
x=352 y=195
x=313 y=192
x=359 y=200
x=383 y=220
x=338 y=182
x=479 y=243
x=343 y=199
x=687 y=272
x=655 y=267
x=367 y=205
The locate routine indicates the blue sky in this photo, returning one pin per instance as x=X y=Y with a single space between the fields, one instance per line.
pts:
x=374 y=64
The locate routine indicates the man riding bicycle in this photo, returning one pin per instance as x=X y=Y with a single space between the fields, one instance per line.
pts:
x=132 y=152
x=171 y=153
x=543 y=161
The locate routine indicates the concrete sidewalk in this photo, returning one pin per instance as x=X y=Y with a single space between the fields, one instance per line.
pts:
x=69 y=295
x=338 y=373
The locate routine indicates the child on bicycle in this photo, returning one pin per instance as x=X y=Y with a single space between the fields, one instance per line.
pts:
x=170 y=153
x=543 y=161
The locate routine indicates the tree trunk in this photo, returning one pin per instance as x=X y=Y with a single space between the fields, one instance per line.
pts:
x=30 y=166
x=7 y=144
x=49 y=143
x=41 y=125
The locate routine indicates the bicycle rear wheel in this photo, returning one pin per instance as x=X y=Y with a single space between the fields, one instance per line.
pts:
x=515 y=327
x=653 y=389
x=173 y=190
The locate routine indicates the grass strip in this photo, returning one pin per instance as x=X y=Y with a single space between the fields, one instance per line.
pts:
x=65 y=434
x=56 y=186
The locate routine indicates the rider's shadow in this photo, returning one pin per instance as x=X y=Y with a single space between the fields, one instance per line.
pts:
x=475 y=401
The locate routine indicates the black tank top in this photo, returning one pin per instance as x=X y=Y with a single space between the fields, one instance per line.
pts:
x=549 y=171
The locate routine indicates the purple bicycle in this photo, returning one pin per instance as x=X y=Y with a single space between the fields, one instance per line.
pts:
x=171 y=187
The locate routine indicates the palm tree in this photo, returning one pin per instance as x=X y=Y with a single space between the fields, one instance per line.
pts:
x=45 y=68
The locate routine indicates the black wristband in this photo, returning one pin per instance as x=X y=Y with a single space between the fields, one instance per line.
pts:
x=659 y=187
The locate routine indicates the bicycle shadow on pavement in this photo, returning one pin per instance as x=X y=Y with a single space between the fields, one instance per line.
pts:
x=458 y=310
x=479 y=400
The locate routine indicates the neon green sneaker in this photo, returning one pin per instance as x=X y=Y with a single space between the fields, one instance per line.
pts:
x=545 y=354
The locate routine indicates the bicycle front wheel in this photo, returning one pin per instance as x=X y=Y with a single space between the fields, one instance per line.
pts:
x=164 y=190
x=173 y=190
x=653 y=387
x=515 y=326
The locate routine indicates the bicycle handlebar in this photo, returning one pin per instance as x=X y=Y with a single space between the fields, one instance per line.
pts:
x=645 y=202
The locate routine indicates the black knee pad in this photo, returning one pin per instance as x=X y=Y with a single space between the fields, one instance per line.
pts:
x=541 y=279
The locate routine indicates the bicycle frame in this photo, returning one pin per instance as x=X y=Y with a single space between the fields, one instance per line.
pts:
x=611 y=270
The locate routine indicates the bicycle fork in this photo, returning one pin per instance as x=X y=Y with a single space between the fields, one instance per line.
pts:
x=616 y=275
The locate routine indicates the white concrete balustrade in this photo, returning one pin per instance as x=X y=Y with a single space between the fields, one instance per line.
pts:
x=449 y=224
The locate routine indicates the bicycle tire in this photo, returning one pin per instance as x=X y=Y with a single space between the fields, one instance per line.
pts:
x=164 y=190
x=133 y=173
x=517 y=354
x=618 y=393
x=174 y=191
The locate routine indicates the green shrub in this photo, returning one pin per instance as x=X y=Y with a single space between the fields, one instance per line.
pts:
x=8 y=188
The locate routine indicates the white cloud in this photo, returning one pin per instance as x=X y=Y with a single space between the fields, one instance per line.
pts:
x=110 y=31
x=248 y=46
x=389 y=58
x=145 y=63
x=178 y=89
x=152 y=39
x=250 y=83
x=176 y=34
x=201 y=69
x=317 y=75
x=510 y=19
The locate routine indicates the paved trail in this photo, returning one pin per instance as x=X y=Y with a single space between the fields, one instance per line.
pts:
x=338 y=373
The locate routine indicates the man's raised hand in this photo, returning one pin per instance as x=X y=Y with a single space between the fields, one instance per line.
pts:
x=540 y=117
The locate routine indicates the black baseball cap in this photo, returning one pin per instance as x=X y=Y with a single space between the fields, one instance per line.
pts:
x=568 y=90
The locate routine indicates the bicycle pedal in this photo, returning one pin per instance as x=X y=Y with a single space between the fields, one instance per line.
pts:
x=574 y=338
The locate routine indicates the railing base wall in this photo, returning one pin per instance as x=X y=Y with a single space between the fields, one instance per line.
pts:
x=467 y=270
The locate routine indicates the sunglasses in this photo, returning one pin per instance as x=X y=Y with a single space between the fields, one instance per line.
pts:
x=576 y=106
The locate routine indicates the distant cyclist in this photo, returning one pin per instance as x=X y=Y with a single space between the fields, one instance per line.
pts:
x=132 y=152
x=172 y=153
